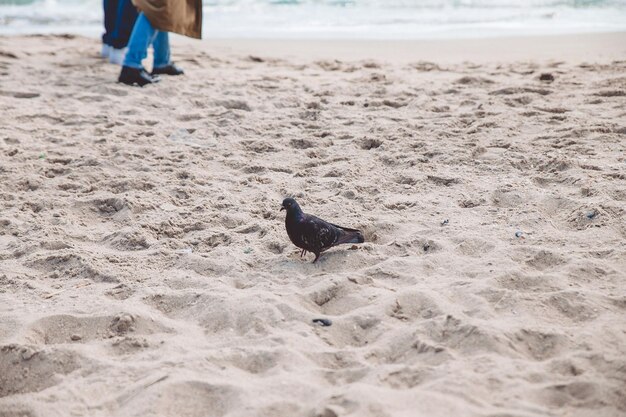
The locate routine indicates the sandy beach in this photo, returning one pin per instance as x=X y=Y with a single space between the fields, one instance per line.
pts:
x=145 y=269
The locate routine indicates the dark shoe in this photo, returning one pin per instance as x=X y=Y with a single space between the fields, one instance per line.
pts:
x=139 y=76
x=169 y=69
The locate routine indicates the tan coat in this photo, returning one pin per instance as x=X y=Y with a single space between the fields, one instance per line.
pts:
x=178 y=16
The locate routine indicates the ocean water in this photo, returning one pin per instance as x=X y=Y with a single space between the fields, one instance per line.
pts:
x=344 y=19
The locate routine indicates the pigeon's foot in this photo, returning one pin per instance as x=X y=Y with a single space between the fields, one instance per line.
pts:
x=317 y=256
x=303 y=253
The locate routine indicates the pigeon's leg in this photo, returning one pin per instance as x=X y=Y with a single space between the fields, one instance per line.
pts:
x=303 y=253
x=317 y=255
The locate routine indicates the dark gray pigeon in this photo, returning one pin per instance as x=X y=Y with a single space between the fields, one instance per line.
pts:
x=312 y=234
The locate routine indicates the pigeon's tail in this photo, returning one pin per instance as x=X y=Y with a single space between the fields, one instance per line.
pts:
x=350 y=236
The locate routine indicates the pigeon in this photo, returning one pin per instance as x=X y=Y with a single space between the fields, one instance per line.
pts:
x=312 y=234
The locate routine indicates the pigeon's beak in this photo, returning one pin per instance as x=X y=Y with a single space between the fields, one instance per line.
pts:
x=282 y=208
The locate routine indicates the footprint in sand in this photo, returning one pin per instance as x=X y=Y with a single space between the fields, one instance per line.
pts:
x=25 y=368
x=62 y=329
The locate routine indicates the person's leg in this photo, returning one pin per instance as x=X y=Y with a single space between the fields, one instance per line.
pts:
x=110 y=10
x=125 y=23
x=162 y=61
x=140 y=39
x=161 y=46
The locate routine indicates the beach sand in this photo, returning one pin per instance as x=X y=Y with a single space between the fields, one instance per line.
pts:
x=145 y=269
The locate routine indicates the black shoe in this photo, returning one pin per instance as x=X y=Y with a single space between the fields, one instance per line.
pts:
x=169 y=69
x=139 y=76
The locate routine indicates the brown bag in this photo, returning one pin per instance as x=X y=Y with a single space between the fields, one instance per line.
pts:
x=179 y=16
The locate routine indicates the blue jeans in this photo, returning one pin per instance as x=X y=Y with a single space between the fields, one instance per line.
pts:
x=110 y=14
x=125 y=18
x=143 y=35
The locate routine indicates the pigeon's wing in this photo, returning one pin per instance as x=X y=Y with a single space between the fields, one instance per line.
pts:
x=347 y=235
x=319 y=234
x=347 y=229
